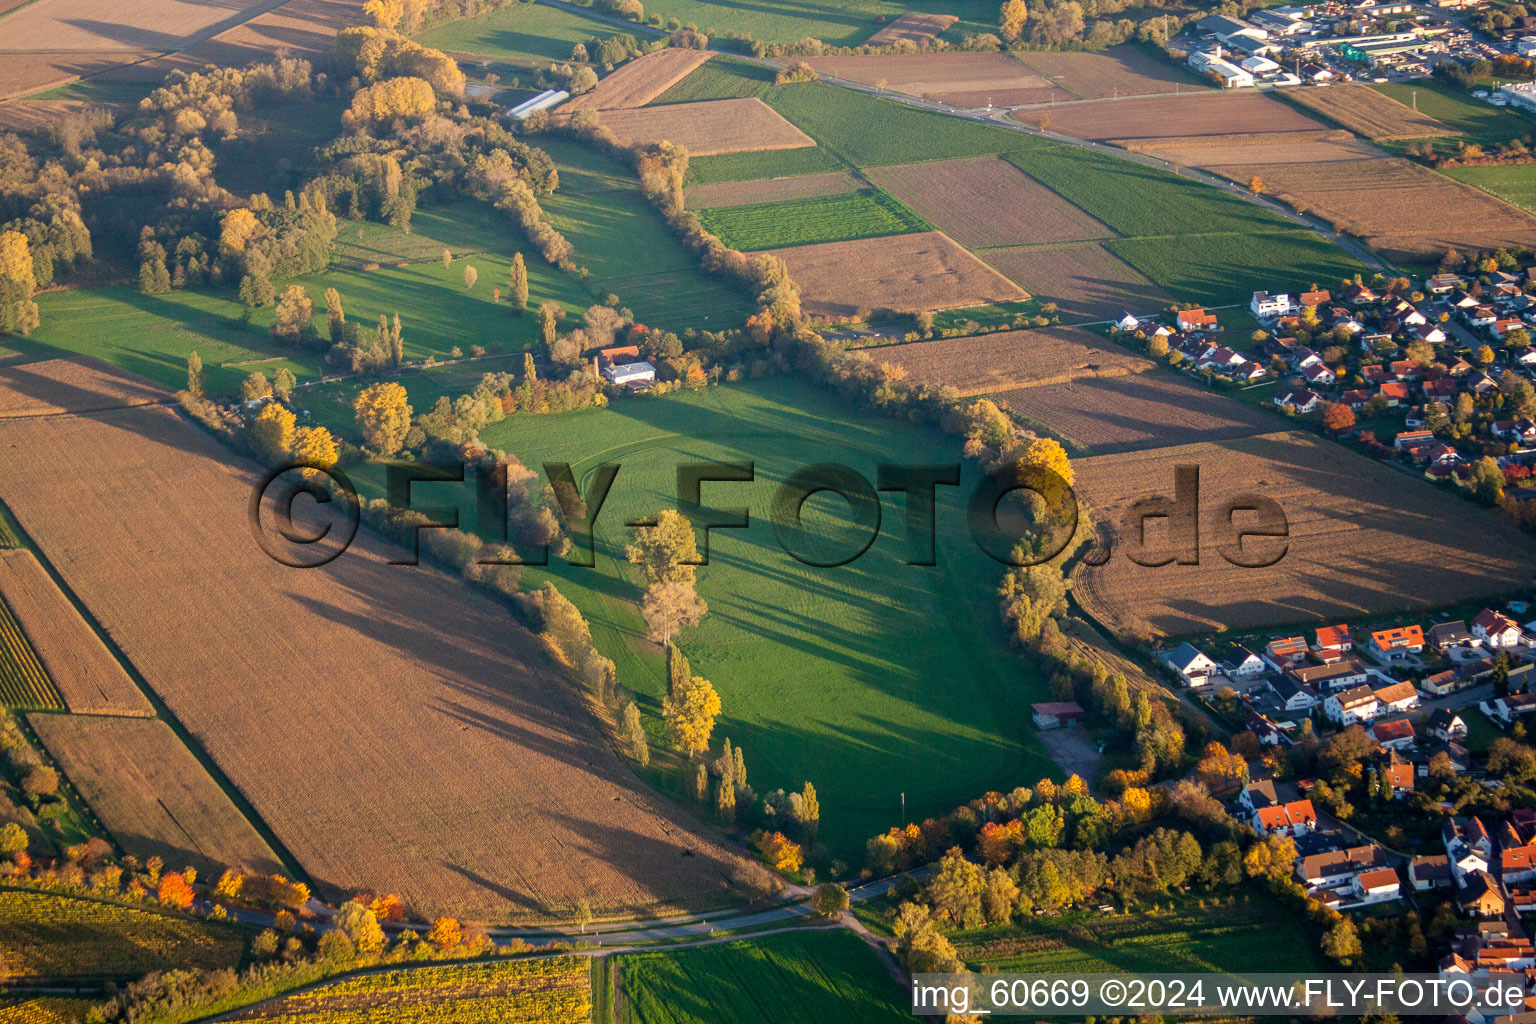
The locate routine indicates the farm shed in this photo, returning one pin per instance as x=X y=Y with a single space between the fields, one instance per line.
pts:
x=1058 y=714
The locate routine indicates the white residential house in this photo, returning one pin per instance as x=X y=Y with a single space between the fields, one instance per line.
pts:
x=1496 y=629
x=1244 y=663
x=1194 y=667
x=1352 y=707
x=1468 y=845
x=622 y=374
x=1265 y=306
x=1507 y=709
x=1397 y=697
x=1295 y=696
x=1294 y=819
x=1303 y=400
x=1319 y=375
x=1127 y=323
x=1379 y=886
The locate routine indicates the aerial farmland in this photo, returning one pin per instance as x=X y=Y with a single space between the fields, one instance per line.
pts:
x=686 y=513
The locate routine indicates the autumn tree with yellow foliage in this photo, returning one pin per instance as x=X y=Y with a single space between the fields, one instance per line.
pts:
x=272 y=432
x=314 y=445
x=18 y=313
x=690 y=706
x=408 y=98
x=1011 y=19
x=384 y=416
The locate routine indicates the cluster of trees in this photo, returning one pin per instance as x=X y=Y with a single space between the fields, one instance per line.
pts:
x=412 y=16
x=374 y=54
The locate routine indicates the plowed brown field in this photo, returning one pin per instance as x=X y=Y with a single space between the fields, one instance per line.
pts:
x=1362 y=109
x=1088 y=282
x=962 y=79
x=1011 y=359
x=396 y=731
x=912 y=28
x=152 y=794
x=85 y=672
x=903 y=273
x=1118 y=71
x=1363 y=540
x=708 y=128
x=1242 y=112
x=64 y=385
x=986 y=201
x=1397 y=206
x=641 y=80
x=1133 y=413
x=1266 y=147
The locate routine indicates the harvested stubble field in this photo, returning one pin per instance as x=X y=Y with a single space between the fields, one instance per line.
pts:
x=1262 y=147
x=1087 y=282
x=298 y=28
x=1132 y=413
x=46 y=936
x=709 y=128
x=1397 y=206
x=26 y=73
x=1364 y=539
x=1242 y=112
x=70 y=385
x=1364 y=110
x=771 y=190
x=498 y=798
x=904 y=274
x=959 y=79
x=986 y=201
x=152 y=794
x=1011 y=359
x=640 y=81
x=89 y=677
x=1118 y=71
x=913 y=28
x=101 y=25
x=540 y=990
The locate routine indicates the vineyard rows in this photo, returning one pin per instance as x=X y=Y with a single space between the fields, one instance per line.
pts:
x=553 y=990
x=24 y=683
x=48 y=936
x=45 y=1011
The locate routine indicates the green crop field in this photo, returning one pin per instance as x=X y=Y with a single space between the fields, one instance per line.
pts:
x=1515 y=184
x=47 y=936
x=628 y=248
x=1199 y=242
x=772 y=163
x=1222 y=268
x=8 y=535
x=869 y=679
x=546 y=990
x=1252 y=933
x=846 y=23
x=532 y=35
x=1137 y=200
x=795 y=978
x=868 y=213
x=1479 y=121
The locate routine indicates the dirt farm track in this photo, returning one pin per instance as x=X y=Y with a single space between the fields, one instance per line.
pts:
x=396 y=731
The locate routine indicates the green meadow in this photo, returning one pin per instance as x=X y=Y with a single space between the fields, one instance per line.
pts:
x=870 y=679
x=629 y=250
x=1477 y=121
x=528 y=34
x=1514 y=183
x=797 y=978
